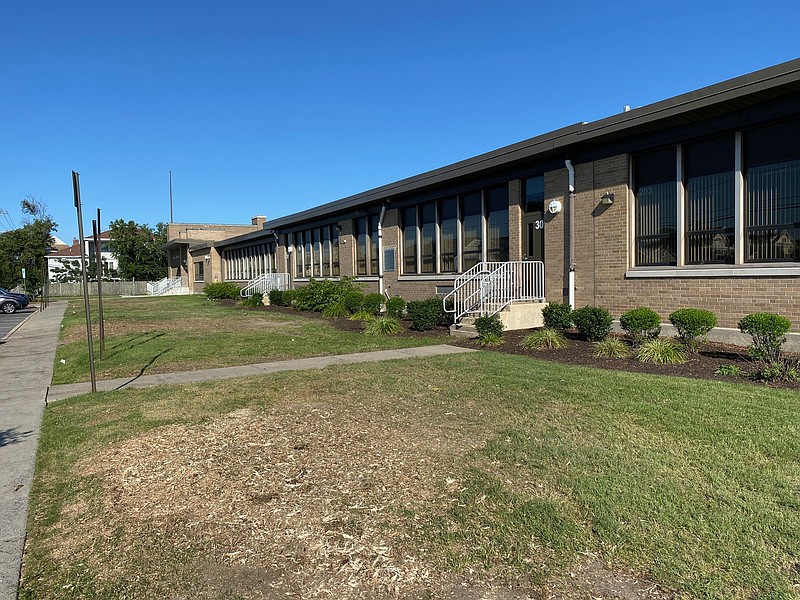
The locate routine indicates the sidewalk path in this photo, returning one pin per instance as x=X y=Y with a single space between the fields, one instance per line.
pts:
x=26 y=368
x=59 y=392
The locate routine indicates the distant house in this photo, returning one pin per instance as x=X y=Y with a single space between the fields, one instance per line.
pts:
x=64 y=263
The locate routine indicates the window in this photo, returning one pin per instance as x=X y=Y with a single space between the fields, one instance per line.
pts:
x=334 y=250
x=709 y=196
x=298 y=254
x=472 y=229
x=497 y=207
x=199 y=276
x=362 y=239
x=373 y=245
x=409 y=224
x=772 y=179
x=427 y=217
x=448 y=235
x=655 y=176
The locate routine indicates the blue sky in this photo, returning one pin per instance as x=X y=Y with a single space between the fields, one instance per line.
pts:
x=261 y=107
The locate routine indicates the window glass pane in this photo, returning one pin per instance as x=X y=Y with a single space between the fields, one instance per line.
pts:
x=361 y=246
x=472 y=225
x=656 y=211
x=709 y=177
x=409 y=222
x=428 y=237
x=497 y=208
x=373 y=246
x=335 y=251
x=772 y=176
x=298 y=254
x=326 y=251
x=315 y=239
x=198 y=272
x=448 y=234
x=307 y=261
x=534 y=194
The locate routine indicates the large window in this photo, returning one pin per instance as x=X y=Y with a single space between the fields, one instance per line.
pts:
x=249 y=262
x=199 y=272
x=497 y=207
x=316 y=252
x=427 y=221
x=709 y=176
x=409 y=224
x=362 y=244
x=655 y=176
x=448 y=235
x=472 y=229
x=772 y=175
x=710 y=173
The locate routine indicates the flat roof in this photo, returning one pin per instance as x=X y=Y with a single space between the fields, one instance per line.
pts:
x=613 y=126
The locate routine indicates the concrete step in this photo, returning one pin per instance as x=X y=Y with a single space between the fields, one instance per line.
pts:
x=465 y=331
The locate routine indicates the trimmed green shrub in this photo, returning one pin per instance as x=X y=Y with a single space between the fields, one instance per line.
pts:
x=768 y=331
x=276 y=297
x=425 y=314
x=253 y=301
x=593 y=322
x=611 y=348
x=395 y=307
x=780 y=370
x=544 y=339
x=353 y=301
x=362 y=315
x=557 y=316
x=490 y=330
x=221 y=290
x=641 y=324
x=662 y=351
x=372 y=303
x=383 y=326
x=692 y=324
x=288 y=297
x=319 y=293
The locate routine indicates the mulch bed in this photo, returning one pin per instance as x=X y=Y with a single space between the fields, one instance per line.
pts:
x=700 y=365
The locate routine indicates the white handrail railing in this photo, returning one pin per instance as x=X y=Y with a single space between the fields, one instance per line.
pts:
x=488 y=287
x=264 y=284
x=158 y=288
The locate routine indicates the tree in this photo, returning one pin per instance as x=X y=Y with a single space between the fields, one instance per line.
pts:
x=139 y=249
x=27 y=247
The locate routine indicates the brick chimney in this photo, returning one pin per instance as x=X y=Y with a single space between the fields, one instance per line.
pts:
x=259 y=221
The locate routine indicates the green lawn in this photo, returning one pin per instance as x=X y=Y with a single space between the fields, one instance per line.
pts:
x=183 y=333
x=487 y=469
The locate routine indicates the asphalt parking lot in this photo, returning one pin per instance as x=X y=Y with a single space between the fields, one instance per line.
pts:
x=8 y=322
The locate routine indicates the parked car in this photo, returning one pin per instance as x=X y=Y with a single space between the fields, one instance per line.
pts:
x=10 y=304
x=24 y=299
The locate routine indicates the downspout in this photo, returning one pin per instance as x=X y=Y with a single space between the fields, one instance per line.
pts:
x=380 y=249
x=571 y=207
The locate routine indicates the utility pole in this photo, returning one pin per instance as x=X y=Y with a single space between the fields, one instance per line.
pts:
x=170 y=197
x=76 y=192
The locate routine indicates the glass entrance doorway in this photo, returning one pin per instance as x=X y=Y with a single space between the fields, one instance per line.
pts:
x=533 y=220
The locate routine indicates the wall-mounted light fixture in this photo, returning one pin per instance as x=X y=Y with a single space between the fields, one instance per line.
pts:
x=554 y=207
x=207 y=257
x=607 y=198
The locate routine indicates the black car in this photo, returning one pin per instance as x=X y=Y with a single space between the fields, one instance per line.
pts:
x=23 y=298
x=11 y=302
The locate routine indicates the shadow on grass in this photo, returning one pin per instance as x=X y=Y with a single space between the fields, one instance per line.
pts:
x=143 y=369
x=138 y=340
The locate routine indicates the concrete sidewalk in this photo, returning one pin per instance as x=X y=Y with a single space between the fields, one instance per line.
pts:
x=59 y=392
x=26 y=368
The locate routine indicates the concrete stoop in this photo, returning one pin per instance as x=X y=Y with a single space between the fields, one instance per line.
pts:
x=178 y=291
x=520 y=315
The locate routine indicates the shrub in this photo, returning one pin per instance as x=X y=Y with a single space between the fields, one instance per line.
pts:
x=490 y=330
x=729 y=370
x=544 y=339
x=691 y=324
x=780 y=370
x=253 y=301
x=557 y=316
x=425 y=314
x=221 y=290
x=353 y=300
x=593 y=322
x=362 y=315
x=288 y=297
x=612 y=348
x=641 y=324
x=372 y=303
x=768 y=331
x=662 y=351
x=335 y=310
x=395 y=307
x=318 y=294
x=383 y=326
x=276 y=297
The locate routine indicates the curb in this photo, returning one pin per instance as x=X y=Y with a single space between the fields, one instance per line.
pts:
x=18 y=325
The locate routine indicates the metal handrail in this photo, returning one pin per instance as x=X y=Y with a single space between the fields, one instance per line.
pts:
x=488 y=287
x=264 y=284
x=162 y=287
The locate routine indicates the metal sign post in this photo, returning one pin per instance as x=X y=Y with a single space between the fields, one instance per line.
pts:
x=99 y=270
x=76 y=192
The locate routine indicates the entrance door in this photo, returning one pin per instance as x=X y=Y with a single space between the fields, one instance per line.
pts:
x=533 y=220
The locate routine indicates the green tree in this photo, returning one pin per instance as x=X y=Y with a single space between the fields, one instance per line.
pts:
x=27 y=247
x=139 y=249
